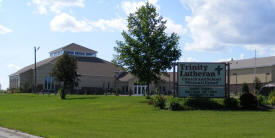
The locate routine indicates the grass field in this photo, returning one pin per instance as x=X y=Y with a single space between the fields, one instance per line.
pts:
x=125 y=116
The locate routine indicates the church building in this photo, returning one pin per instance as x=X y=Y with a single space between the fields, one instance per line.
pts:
x=96 y=75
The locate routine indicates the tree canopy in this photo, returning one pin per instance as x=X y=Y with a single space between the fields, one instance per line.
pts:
x=64 y=71
x=147 y=50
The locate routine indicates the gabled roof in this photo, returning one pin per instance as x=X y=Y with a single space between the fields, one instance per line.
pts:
x=250 y=63
x=75 y=47
x=38 y=64
x=87 y=66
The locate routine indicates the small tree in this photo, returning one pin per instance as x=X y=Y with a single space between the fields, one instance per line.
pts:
x=257 y=84
x=245 y=88
x=147 y=50
x=64 y=71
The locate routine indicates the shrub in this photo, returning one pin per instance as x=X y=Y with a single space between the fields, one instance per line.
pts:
x=248 y=100
x=202 y=103
x=262 y=100
x=62 y=94
x=172 y=103
x=271 y=98
x=245 y=88
x=17 y=90
x=159 y=101
x=26 y=87
x=117 y=92
x=150 y=101
x=231 y=103
x=265 y=91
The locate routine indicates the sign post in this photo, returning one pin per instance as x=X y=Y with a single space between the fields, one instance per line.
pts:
x=202 y=79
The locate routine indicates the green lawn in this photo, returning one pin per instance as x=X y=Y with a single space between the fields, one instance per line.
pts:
x=125 y=116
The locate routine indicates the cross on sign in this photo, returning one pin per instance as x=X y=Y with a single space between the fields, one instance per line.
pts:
x=218 y=69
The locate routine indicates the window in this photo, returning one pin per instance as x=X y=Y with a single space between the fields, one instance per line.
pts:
x=79 y=54
x=135 y=89
x=49 y=83
x=70 y=52
x=90 y=55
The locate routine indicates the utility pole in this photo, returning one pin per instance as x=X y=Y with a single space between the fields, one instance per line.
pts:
x=255 y=72
x=35 y=49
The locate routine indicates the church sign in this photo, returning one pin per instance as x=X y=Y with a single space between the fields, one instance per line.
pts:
x=201 y=79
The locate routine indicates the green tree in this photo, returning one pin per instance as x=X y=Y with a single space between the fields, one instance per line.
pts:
x=115 y=62
x=64 y=71
x=245 y=88
x=147 y=50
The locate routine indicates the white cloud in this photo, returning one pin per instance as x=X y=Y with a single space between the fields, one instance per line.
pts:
x=189 y=59
x=260 y=50
x=56 y=6
x=215 y=25
x=110 y=25
x=4 y=30
x=67 y=23
x=173 y=27
x=131 y=6
x=224 y=60
x=13 y=67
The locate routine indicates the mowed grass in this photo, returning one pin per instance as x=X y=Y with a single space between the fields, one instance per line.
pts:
x=125 y=116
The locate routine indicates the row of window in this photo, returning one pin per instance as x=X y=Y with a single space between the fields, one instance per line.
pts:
x=75 y=53
x=58 y=53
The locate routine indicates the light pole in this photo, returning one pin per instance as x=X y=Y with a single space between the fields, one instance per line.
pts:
x=35 y=50
x=236 y=83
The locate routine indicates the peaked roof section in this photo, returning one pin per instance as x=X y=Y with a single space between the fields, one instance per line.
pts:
x=250 y=63
x=38 y=64
x=93 y=66
x=75 y=47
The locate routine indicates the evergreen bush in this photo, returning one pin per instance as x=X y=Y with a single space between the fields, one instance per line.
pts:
x=231 y=103
x=249 y=100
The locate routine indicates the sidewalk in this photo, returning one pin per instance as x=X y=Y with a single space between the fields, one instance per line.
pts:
x=9 y=133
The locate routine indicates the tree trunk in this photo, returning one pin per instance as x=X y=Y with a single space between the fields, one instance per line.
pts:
x=147 y=91
x=63 y=93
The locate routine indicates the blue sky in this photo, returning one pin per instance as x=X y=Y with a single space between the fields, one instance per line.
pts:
x=215 y=30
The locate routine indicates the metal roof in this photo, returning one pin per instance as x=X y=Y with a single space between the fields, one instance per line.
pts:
x=86 y=66
x=250 y=63
x=38 y=64
x=75 y=47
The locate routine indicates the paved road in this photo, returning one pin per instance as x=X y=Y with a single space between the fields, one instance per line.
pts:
x=8 y=133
